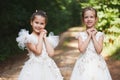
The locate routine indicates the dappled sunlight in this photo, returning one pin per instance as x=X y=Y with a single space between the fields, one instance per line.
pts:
x=72 y=44
x=111 y=45
x=71 y=32
x=68 y=61
x=11 y=74
x=76 y=29
x=66 y=57
x=58 y=51
x=12 y=78
x=69 y=38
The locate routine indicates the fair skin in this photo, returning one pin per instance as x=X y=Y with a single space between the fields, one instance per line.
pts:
x=38 y=25
x=90 y=21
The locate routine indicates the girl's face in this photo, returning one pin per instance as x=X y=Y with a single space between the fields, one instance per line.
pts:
x=89 y=19
x=38 y=23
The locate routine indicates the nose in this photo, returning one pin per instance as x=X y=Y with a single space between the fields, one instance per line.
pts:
x=40 y=26
x=89 y=18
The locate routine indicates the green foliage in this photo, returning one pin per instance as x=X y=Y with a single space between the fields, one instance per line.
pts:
x=8 y=47
x=108 y=18
x=111 y=44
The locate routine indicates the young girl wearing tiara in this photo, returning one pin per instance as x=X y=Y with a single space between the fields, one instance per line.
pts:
x=40 y=65
x=90 y=65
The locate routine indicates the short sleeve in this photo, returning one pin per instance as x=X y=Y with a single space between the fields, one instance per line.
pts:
x=54 y=40
x=78 y=35
x=22 y=38
x=82 y=35
x=99 y=35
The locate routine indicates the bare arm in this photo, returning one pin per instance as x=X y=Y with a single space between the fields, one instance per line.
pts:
x=98 y=44
x=36 y=49
x=49 y=48
x=82 y=45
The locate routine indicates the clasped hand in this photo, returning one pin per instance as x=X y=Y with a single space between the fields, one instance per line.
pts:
x=92 y=32
x=43 y=33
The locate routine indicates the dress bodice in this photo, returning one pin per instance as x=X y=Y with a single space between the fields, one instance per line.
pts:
x=90 y=46
x=24 y=37
x=34 y=40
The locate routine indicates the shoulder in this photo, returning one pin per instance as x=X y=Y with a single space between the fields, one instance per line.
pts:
x=99 y=33
x=23 y=35
x=23 y=32
x=22 y=38
x=81 y=34
x=53 y=39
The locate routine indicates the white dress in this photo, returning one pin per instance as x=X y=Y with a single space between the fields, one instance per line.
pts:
x=38 y=67
x=90 y=65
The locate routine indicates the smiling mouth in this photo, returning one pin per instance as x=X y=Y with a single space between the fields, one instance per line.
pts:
x=89 y=22
x=38 y=28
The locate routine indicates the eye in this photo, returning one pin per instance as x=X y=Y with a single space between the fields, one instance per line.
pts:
x=92 y=16
x=42 y=23
x=86 y=17
x=37 y=22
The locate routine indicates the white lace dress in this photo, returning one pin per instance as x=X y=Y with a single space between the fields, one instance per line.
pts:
x=38 y=67
x=90 y=65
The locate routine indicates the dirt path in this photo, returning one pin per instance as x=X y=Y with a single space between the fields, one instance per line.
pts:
x=66 y=55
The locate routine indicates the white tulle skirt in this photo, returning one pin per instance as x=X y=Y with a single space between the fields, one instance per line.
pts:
x=44 y=69
x=90 y=67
